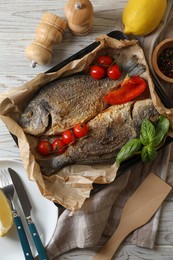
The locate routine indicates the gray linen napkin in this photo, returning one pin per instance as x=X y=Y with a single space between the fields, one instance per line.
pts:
x=100 y=214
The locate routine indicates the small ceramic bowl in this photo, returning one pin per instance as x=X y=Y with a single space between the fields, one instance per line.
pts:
x=161 y=65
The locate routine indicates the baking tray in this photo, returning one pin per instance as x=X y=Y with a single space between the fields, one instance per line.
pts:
x=158 y=88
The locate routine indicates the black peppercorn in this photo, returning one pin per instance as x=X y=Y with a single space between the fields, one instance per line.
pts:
x=165 y=62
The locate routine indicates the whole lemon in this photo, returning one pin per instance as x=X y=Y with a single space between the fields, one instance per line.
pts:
x=141 y=17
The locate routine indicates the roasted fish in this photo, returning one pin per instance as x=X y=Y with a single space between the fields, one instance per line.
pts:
x=65 y=102
x=109 y=131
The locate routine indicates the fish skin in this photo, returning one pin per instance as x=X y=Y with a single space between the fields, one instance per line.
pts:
x=67 y=101
x=109 y=131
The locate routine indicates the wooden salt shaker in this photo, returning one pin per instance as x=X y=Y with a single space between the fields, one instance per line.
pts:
x=79 y=14
x=48 y=32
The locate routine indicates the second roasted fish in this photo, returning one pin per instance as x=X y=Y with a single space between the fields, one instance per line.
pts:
x=109 y=131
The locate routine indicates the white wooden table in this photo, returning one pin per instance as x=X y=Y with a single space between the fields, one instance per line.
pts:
x=18 y=22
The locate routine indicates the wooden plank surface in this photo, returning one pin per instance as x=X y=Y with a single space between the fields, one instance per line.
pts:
x=18 y=22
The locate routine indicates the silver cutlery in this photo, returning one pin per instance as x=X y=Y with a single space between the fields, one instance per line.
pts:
x=26 y=206
x=8 y=189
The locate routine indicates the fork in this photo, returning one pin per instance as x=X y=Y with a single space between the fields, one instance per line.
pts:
x=7 y=187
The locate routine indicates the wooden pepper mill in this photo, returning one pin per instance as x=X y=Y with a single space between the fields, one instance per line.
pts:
x=48 y=32
x=79 y=14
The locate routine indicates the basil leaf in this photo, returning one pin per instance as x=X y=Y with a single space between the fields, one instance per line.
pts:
x=147 y=132
x=148 y=153
x=161 y=130
x=128 y=150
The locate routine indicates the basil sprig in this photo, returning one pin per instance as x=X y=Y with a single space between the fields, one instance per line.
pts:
x=151 y=138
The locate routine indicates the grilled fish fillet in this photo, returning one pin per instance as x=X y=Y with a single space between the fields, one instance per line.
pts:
x=65 y=102
x=109 y=131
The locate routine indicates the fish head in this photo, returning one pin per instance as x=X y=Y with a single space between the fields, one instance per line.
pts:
x=34 y=120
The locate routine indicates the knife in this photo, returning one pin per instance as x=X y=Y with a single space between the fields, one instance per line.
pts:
x=26 y=206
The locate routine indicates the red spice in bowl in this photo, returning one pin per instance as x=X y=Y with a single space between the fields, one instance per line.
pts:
x=162 y=60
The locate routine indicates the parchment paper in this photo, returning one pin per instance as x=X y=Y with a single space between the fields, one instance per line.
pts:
x=72 y=185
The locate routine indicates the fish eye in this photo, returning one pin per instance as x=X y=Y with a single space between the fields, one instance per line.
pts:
x=29 y=114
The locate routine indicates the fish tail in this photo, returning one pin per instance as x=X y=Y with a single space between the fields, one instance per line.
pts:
x=53 y=164
x=133 y=67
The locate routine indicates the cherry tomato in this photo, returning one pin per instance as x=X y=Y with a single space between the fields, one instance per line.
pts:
x=44 y=147
x=58 y=146
x=97 y=72
x=114 y=72
x=80 y=130
x=105 y=61
x=68 y=136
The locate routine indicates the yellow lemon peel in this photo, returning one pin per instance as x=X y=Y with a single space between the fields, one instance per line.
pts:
x=6 y=219
x=142 y=17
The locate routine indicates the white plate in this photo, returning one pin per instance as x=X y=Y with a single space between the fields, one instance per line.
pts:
x=44 y=214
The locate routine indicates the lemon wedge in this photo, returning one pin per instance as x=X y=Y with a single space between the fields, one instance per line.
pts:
x=142 y=17
x=6 y=219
